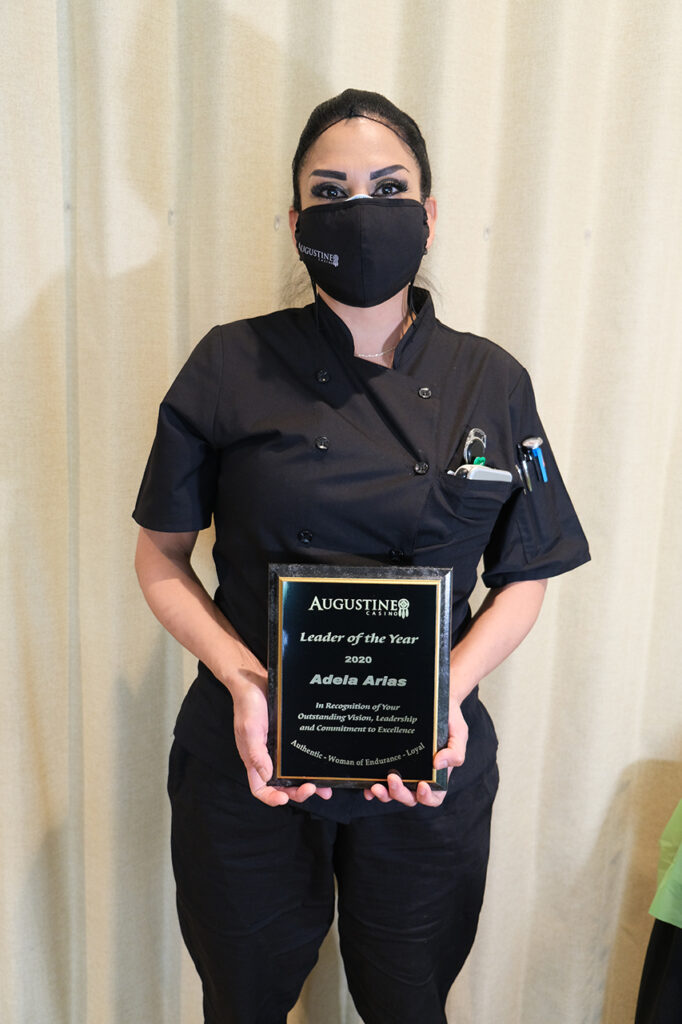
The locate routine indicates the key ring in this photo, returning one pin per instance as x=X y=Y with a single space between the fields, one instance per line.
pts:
x=475 y=445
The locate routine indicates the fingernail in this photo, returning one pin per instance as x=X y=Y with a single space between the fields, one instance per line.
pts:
x=441 y=764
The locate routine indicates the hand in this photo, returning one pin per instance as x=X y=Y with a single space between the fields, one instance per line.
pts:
x=451 y=756
x=251 y=733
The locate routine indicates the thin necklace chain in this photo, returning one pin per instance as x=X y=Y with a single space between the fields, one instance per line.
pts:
x=375 y=355
x=387 y=351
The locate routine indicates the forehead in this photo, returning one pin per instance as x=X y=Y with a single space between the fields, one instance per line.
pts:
x=358 y=142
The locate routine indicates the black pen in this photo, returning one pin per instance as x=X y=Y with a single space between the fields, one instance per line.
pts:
x=523 y=457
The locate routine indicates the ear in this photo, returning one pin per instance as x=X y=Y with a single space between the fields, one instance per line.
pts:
x=293 y=221
x=431 y=208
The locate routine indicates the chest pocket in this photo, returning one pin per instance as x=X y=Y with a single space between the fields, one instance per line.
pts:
x=460 y=515
x=474 y=504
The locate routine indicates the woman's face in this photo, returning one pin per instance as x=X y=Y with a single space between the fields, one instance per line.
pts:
x=360 y=157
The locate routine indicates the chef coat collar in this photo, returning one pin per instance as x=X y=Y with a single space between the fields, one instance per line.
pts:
x=337 y=334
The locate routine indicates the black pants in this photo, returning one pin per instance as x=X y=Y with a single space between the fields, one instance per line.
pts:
x=255 y=892
x=660 y=990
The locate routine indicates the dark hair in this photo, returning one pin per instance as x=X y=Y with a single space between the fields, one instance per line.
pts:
x=358 y=103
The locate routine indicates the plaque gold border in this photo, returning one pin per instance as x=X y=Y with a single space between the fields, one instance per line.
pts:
x=435 y=582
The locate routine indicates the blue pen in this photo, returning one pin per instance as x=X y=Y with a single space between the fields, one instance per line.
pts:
x=534 y=446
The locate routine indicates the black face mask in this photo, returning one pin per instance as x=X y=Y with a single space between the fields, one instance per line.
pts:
x=363 y=251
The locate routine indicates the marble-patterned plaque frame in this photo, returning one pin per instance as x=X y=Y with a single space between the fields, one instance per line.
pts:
x=358 y=670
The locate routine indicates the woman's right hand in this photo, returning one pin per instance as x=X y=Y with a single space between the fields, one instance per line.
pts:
x=180 y=602
x=249 y=695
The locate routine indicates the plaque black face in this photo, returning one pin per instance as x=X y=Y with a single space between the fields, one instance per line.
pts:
x=358 y=673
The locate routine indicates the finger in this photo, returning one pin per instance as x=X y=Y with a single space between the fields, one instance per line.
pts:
x=451 y=756
x=429 y=797
x=303 y=792
x=380 y=792
x=457 y=745
x=300 y=793
x=447 y=758
x=258 y=763
x=266 y=794
x=399 y=792
x=258 y=771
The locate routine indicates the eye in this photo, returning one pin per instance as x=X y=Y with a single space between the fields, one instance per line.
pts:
x=390 y=187
x=328 y=190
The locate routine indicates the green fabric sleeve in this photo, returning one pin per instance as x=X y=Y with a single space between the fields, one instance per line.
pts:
x=667 y=904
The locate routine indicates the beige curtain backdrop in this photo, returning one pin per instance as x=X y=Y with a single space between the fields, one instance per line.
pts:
x=145 y=188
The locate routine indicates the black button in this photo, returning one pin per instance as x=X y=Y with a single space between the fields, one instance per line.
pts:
x=322 y=443
x=322 y=376
x=424 y=392
x=421 y=467
x=396 y=555
x=305 y=536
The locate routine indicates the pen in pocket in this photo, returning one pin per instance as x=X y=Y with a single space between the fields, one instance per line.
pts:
x=529 y=453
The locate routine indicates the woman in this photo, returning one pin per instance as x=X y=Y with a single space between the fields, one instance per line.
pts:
x=326 y=434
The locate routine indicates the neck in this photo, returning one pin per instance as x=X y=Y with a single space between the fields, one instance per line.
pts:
x=375 y=328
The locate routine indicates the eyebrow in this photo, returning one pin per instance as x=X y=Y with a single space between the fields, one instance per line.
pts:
x=320 y=172
x=386 y=170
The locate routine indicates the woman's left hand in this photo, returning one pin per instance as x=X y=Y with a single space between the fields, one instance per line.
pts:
x=452 y=756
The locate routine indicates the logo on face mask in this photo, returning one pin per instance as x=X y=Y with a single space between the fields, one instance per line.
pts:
x=324 y=257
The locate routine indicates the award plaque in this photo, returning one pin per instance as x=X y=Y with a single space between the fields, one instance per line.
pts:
x=358 y=669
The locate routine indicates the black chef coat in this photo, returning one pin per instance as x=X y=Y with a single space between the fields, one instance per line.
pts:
x=303 y=452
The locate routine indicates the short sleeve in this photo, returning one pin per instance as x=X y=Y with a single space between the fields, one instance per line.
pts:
x=178 y=488
x=537 y=533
